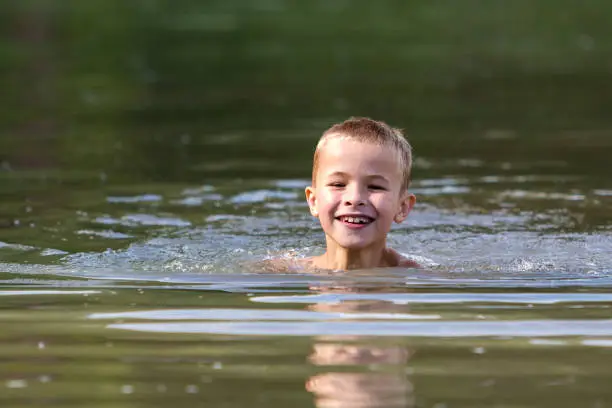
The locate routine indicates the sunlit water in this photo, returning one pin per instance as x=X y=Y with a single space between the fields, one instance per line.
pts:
x=512 y=308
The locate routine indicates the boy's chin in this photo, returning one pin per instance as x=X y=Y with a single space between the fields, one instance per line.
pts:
x=354 y=245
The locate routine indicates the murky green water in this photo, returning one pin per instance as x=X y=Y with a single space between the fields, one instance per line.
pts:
x=151 y=151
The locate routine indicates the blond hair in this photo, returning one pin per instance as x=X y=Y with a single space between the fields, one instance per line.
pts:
x=367 y=130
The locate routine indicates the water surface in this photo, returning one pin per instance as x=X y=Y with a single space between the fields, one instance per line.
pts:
x=152 y=153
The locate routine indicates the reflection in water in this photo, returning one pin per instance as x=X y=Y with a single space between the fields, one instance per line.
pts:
x=369 y=387
x=360 y=390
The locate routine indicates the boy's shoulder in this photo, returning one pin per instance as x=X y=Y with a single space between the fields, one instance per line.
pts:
x=409 y=263
x=304 y=265
x=284 y=265
x=399 y=260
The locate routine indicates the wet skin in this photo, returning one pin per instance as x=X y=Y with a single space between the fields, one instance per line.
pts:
x=359 y=192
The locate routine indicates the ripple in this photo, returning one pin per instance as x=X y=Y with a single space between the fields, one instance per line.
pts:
x=146 y=198
x=440 y=182
x=442 y=298
x=604 y=193
x=52 y=252
x=143 y=219
x=525 y=178
x=194 y=201
x=597 y=342
x=298 y=184
x=441 y=190
x=47 y=292
x=198 y=190
x=153 y=220
x=248 y=314
x=541 y=195
x=258 y=196
x=104 y=234
x=548 y=342
x=17 y=247
x=446 y=329
x=225 y=217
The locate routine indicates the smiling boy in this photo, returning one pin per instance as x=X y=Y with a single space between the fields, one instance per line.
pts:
x=360 y=180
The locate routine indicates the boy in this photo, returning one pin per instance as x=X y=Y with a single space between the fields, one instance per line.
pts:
x=360 y=179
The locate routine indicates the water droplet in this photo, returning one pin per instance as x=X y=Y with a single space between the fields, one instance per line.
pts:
x=127 y=389
x=192 y=389
x=488 y=383
x=16 y=384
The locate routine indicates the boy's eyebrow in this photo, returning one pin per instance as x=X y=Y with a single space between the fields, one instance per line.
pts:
x=378 y=176
x=336 y=173
x=343 y=174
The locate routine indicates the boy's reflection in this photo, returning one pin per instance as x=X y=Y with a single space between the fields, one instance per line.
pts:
x=388 y=387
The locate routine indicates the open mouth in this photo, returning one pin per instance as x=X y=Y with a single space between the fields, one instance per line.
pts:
x=355 y=219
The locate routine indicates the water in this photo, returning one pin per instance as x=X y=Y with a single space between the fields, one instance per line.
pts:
x=513 y=308
x=149 y=164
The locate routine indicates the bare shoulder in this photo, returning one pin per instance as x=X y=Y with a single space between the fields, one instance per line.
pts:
x=282 y=265
x=408 y=263
x=397 y=259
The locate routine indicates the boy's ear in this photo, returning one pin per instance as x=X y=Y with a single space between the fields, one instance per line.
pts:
x=312 y=201
x=406 y=204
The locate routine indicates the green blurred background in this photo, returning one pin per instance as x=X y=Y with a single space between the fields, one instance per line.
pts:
x=162 y=90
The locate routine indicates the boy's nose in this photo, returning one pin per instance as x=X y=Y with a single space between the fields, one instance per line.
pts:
x=355 y=203
x=354 y=197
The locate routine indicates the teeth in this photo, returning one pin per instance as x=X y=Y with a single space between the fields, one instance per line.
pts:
x=357 y=220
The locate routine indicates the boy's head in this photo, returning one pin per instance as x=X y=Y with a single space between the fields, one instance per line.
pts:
x=360 y=178
x=366 y=130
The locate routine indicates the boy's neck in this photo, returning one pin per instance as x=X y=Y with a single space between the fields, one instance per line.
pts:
x=339 y=258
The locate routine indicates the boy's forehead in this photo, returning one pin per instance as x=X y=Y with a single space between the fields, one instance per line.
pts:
x=344 y=146
x=344 y=151
x=333 y=136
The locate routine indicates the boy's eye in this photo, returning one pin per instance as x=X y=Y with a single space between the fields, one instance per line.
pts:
x=375 y=187
x=336 y=184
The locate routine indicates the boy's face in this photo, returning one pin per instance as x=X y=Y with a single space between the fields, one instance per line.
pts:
x=359 y=192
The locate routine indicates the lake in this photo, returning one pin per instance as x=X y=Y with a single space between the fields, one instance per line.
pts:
x=151 y=152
